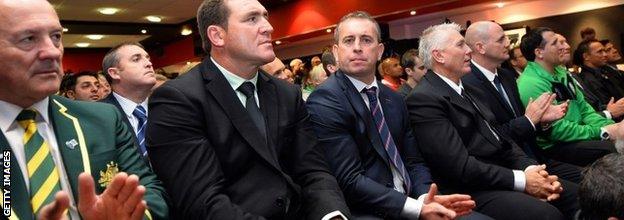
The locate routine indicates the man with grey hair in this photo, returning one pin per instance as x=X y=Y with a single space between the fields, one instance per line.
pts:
x=232 y=141
x=374 y=157
x=133 y=78
x=463 y=145
x=58 y=148
x=498 y=89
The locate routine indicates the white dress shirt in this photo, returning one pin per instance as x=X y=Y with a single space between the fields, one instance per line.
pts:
x=490 y=77
x=128 y=107
x=14 y=134
x=412 y=207
x=519 y=177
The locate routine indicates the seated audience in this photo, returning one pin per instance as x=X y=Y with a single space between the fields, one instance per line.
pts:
x=517 y=61
x=105 y=88
x=231 y=142
x=601 y=194
x=613 y=55
x=315 y=61
x=591 y=56
x=133 y=78
x=464 y=147
x=363 y=129
x=498 y=89
x=588 y=33
x=69 y=159
x=316 y=76
x=391 y=71
x=81 y=86
x=415 y=70
x=582 y=135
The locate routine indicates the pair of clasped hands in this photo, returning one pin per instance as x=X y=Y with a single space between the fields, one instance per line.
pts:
x=121 y=200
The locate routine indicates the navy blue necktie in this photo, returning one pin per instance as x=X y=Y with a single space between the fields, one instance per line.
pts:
x=386 y=137
x=140 y=113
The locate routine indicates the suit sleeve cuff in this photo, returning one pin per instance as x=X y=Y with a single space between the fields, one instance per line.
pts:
x=412 y=207
x=519 y=180
x=530 y=122
x=607 y=114
x=333 y=215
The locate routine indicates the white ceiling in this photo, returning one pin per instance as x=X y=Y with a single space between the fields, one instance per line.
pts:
x=70 y=40
x=134 y=11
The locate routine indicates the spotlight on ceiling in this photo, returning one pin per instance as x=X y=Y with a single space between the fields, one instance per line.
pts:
x=95 y=36
x=412 y=12
x=500 y=4
x=186 y=32
x=153 y=18
x=277 y=42
x=82 y=44
x=143 y=31
x=328 y=30
x=108 y=11
x=65 y=30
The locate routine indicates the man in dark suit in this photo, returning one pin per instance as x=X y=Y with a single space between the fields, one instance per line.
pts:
x=227 y=150
x=66 y=143
x=464 y=149
x=132 y=75
x=363 y=128
x=498 y=89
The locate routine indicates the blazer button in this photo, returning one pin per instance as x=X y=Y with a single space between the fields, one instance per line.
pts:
x=279 y=202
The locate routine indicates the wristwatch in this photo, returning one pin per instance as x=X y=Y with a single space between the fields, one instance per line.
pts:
x=604 y=135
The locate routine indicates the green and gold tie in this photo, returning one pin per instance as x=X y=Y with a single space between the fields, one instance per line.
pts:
x=42 y=172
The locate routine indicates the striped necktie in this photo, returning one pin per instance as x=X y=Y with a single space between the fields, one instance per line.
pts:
x=386 y=137
x=43 y=174
x=140 y=113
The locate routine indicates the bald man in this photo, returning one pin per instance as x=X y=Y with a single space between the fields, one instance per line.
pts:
x=391 y=71
x=60 y=147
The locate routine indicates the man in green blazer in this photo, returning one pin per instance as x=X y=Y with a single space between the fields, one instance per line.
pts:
x=64 y=154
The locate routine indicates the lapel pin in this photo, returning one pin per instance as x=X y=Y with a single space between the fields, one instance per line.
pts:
x=71 y=144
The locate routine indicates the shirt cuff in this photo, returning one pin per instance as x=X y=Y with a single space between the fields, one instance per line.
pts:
x=333 y=215
x=530 y=122
x=607 y=114
x=519 y=180
x=412 y=207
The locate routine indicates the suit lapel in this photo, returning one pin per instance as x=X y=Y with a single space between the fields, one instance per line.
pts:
x=222 y=92
x=485 y=83
x=268 y=106
x=365 y=115
x=512 y=90
x=458 y=101
x=71 y=142
x=20 y=201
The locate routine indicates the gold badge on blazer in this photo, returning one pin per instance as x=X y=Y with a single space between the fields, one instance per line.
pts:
x=107 y=176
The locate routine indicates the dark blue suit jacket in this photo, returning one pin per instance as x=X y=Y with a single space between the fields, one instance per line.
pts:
x=355 y=152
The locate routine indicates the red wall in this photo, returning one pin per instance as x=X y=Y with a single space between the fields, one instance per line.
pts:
x=79 y=61
x=175 y=52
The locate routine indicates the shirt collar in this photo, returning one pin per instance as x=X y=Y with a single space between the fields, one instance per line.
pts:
x=128 y=105
x=234 y=80
x=359 y=85
x=10 y=111
x=488 y=74
x=457 y=88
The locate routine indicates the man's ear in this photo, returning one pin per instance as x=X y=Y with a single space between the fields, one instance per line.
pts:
x=538 y=53
x=479 y=47
x=71 y=94
x=113 y=72
x=216 y=35
x=381 y=50
x=437 y=56
x=408 y=71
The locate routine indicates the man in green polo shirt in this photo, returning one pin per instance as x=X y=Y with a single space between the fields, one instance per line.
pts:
x=583 y=135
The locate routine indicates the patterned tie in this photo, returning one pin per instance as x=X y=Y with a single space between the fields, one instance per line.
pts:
x=140 y=113
x=248 y=88
x=499 y=88
x=42 y=172
x=386 y=137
